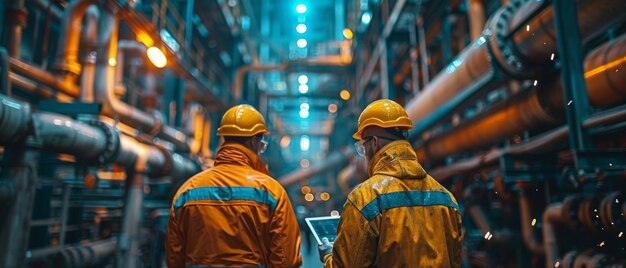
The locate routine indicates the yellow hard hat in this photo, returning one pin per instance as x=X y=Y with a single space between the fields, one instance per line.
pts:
x=383 y=113
x=242 y=121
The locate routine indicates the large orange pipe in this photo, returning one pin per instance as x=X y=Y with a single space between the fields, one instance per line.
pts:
x=541 y=106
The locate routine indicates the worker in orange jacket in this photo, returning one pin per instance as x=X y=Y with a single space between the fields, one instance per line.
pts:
x=235 y=214
x=400 y=216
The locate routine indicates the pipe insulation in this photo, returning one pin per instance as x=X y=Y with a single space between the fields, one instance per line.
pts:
x=474 y=62
x=92 y=141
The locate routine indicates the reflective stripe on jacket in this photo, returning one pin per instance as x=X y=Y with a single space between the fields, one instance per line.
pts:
x=233 y=215
x=399 y=217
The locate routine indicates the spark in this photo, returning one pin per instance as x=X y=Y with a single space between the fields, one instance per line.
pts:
x=616 y=201
x=620 y=234
x=533 y=222
x=601 y=244
x=610 y=164
x=557 y=264
x=527 y=28
x=570 y=102
x=535 y=83
x=552 y=56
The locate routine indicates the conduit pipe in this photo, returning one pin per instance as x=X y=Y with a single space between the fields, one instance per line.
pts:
x=526 y=223
x=38 y=89
x=43 y=77
x=90 y=37
x=105 y=87
x=66 y=59
x=551 y=217
x=88 y=254
x=473 y=63
x=537 y=145
x=334 y=160
x=476 y=18
x=537 y=107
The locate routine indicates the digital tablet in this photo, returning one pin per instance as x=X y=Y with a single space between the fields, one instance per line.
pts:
x=323 y=227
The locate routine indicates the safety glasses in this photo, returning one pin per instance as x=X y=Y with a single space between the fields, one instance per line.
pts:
x=263 y=145
x=360 y=146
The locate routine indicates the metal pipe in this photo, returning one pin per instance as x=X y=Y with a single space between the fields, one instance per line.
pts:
x=5 y=81
x=474 y=62
x=40 y=90
x=527 y=233
x=65 y=135
x=105 y=87
x=66 y=59
x=244 y=70
x=90 y=37
x=86 y=254
x=14 y=119
x=476 y=18
x=129 y=239
x=539 y=106
x=43 y=77
x=479 y=218
x=20 y=171
x=551 y=217
x=537 y=145
x=67 y=190
x=16 y=16
x=333 y=160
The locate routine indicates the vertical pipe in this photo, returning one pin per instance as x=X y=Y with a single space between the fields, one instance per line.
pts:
x=64 y=209
x=551 y=217
x=129 y=240
x=476 y=18
x=5 y=81
x=20 y=170
x=89 y=61
x=423 y=50
x=69 y=40
x=18 y=16
x=446 y=32
x=385 y=85
x=415 y=85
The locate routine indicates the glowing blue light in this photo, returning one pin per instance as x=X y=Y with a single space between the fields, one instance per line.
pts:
x=301 y=43
x=304 y=114
x=301 y=28
x=303 y=79
x=303 y=89
x=304 y=143
x=366 y=18
x=301 y=8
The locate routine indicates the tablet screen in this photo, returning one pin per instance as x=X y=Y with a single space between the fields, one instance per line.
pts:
x=323 y=227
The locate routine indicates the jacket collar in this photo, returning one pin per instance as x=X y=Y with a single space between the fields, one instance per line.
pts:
x=233 y=153
x=396 y=159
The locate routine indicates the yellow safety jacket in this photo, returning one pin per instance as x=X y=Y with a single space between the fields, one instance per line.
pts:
x=399 y=217
x=233 y=215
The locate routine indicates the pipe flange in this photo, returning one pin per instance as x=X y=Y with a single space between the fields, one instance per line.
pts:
x=571 y=205
x=589 y=215
x=112 y=146
x=502 y=49
x=569 y=258
x=610 y=212
x=167 y=166
x=156 y=128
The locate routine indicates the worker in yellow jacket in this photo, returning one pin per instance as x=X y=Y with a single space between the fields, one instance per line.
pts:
x=235 y=214
x=400 y=216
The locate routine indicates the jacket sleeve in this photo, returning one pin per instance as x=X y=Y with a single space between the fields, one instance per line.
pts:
x=284 y=235
x=174 y=243
x=356 y=243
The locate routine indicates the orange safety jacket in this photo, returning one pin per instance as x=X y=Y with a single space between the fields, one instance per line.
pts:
x=233 y=215
x=399 y=217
